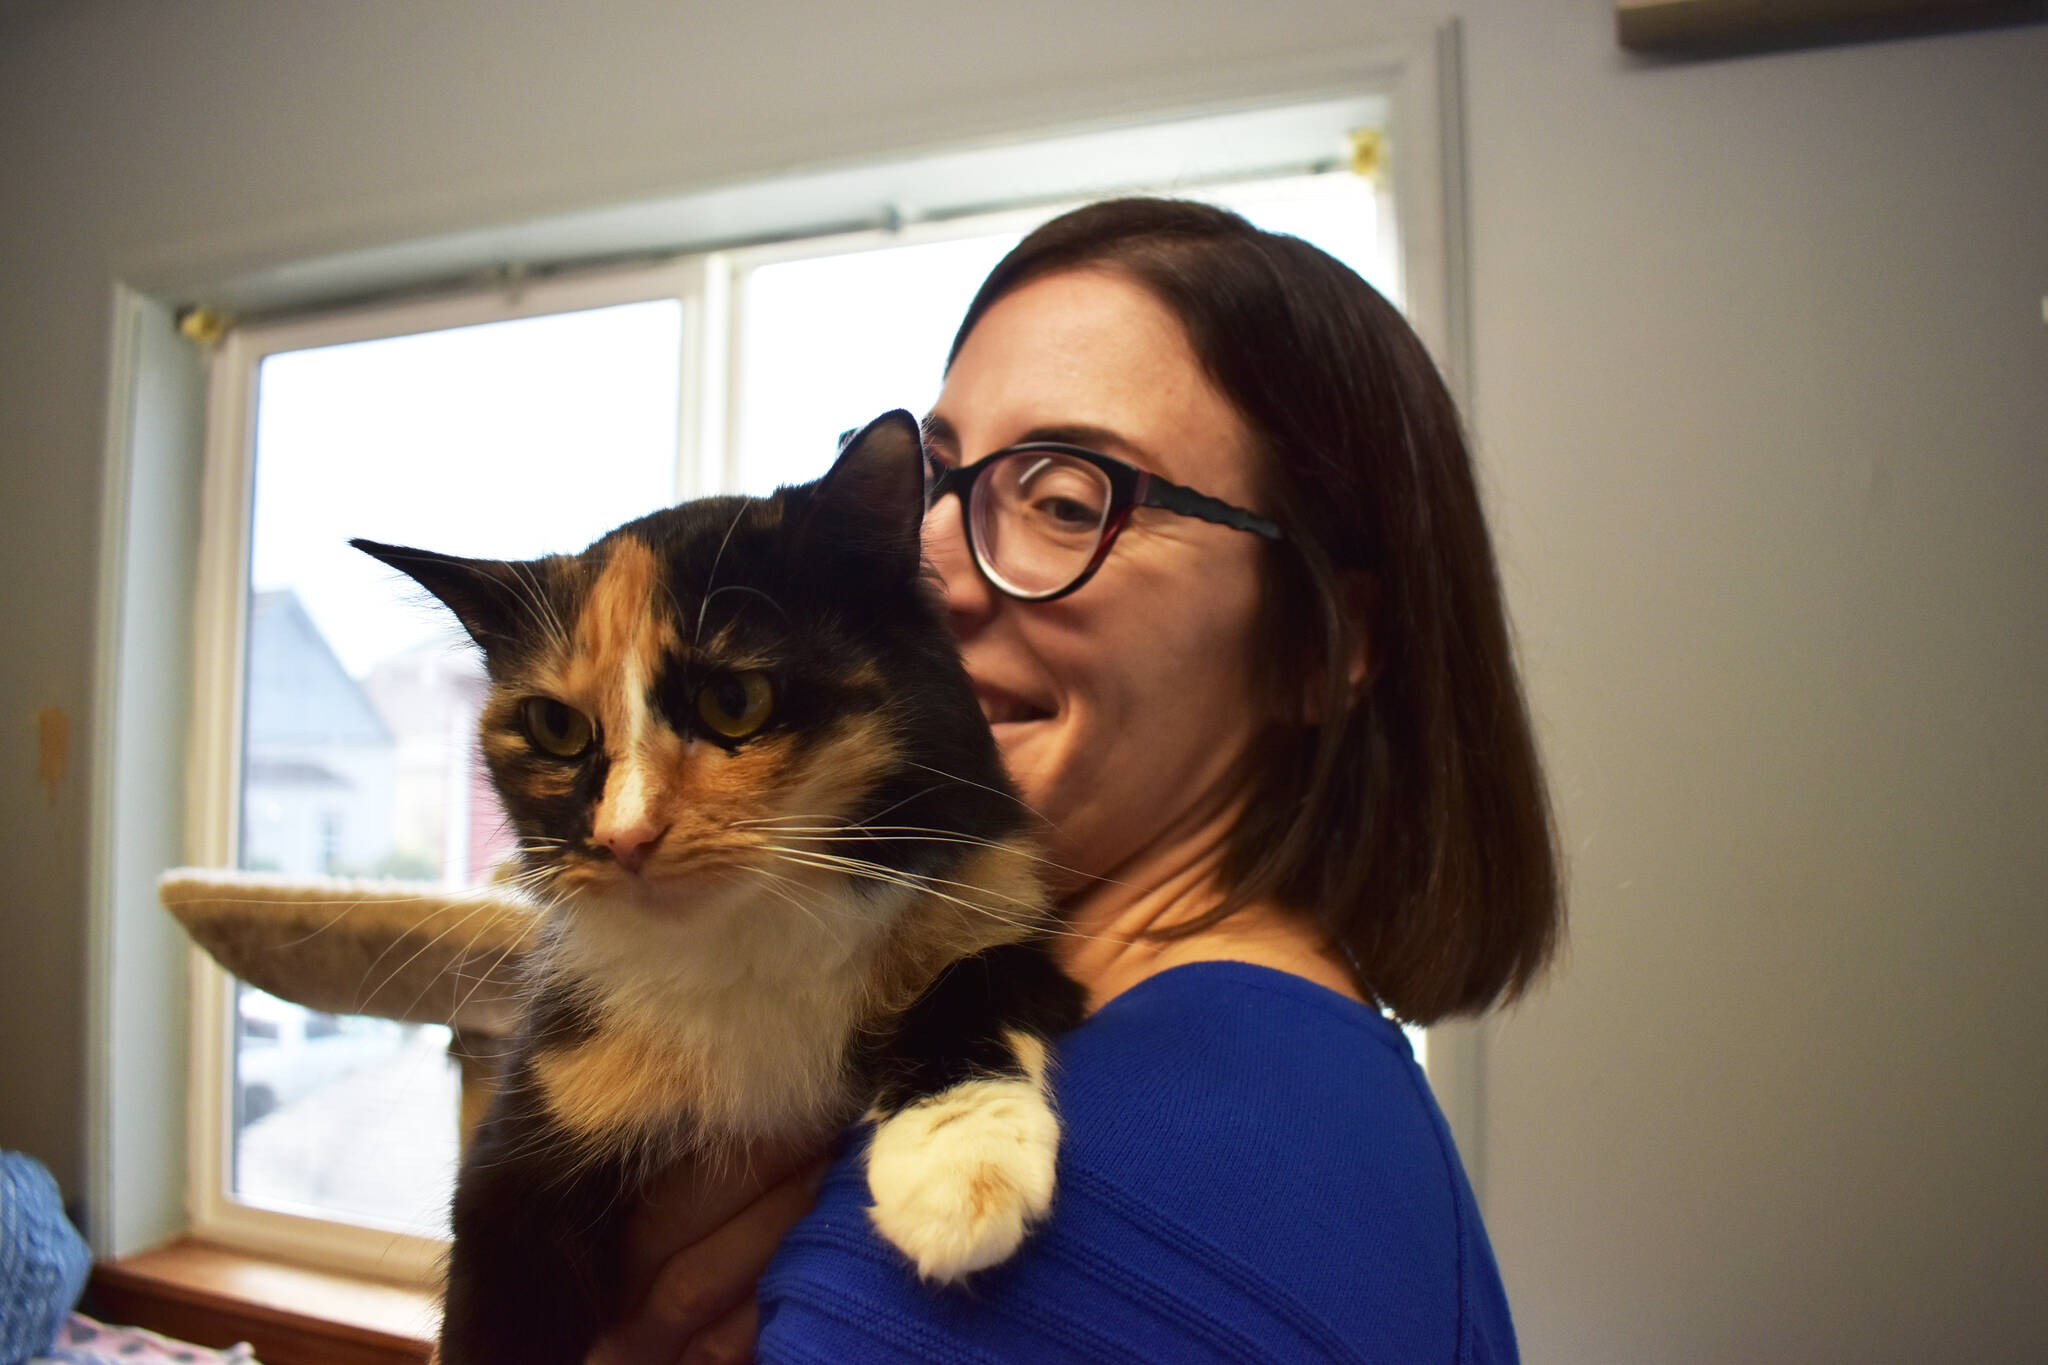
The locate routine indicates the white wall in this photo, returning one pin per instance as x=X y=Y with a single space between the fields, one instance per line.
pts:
x=1763 y=382
x=1760 y=382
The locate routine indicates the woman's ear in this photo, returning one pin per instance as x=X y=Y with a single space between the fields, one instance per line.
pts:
x=1358 y=597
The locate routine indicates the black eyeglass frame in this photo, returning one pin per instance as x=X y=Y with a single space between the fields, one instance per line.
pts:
x=1129 y=488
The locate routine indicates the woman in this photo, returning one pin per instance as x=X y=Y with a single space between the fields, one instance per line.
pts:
x=1271 y=717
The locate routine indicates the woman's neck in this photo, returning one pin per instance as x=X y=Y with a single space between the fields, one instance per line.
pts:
x=1111 y=925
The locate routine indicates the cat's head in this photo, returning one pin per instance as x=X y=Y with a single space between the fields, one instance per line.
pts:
x=731 y=691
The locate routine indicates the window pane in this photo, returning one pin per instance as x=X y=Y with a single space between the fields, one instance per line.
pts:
x=831 y=342
x=828 y=342
x=1339 y=212
x=508 y=440
x=343 y=1117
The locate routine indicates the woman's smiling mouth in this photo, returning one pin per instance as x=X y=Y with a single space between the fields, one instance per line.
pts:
x=1001 y=708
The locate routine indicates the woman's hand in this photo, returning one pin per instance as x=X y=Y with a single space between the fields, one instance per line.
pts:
x=693 y=1254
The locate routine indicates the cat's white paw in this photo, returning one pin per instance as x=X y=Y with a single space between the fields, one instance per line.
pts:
x=959 y=1178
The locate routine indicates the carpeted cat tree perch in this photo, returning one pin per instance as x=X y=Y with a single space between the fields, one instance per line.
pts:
x=393 y=950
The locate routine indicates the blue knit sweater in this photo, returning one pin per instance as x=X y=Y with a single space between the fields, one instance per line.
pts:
x=1253 y=1170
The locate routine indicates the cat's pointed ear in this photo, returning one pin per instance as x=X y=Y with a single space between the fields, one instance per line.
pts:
x=490 y=597
x=872 y=499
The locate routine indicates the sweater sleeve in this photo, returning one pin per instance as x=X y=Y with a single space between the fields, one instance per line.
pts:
x=1252 y=1169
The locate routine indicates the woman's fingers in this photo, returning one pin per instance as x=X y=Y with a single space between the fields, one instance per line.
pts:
x=700 y=1305
x=694 y=1198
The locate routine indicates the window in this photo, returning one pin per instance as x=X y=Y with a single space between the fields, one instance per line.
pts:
x=829 y=333
x=333 y=731
x=485 y=425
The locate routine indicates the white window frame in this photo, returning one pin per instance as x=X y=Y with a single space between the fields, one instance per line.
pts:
x=214 y=761
x=1413 y=82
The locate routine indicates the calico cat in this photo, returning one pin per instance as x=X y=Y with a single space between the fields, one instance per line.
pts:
x=787 y=882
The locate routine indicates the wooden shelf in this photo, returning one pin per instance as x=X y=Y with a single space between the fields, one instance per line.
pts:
x=292 y=1315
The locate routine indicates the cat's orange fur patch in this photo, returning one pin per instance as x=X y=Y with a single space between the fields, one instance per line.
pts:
x=840 y=769
x=620 y=640
x=618 y=1084
x=985 y=1193
x=499 y=739
x=617 y=629
x=1005 y=879
x=993 y=897
x=621 y=637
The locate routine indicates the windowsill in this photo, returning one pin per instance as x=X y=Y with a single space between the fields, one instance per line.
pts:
x=292 y=1315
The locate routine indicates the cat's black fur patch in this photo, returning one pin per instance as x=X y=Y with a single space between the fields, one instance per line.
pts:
x=945 y=1038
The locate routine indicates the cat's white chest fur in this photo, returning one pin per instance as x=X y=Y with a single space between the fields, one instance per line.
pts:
x=739 y=1010
x=733 y=1025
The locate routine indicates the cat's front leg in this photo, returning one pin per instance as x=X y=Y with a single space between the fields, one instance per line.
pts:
x=966 y=1140
x=538 y=1237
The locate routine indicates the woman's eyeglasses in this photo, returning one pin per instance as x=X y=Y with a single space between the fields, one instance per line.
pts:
x=1041 y=516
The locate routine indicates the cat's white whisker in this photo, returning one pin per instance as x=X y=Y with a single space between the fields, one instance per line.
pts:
x=536 y=590
x=697 y=636
x=412 y=957
x=889 y=876
x=906 y=877
x=524 y=592
x=670 y=593
x=853 y=867
x=907 y=880
x=364 y=996
x=746 y=588
x=863 y=832
x=894 y=805
x=546 y=907
x=482 y=976
x=330 y=922
x=497 y=917
x=969 y=782
x=780 y=886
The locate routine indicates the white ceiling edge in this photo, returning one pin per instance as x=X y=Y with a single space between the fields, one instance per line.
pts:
x=1162 y=154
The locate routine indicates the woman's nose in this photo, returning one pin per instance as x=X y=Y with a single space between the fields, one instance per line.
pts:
x=969 y=598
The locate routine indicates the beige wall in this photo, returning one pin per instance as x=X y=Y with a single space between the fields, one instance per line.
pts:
x=1763 y=381
x=1761 y=385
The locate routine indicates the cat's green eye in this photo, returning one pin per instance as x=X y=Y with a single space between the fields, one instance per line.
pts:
x=736 y=704
x=555 y=727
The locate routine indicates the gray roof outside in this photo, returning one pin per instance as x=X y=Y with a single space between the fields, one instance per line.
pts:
x=298 y=691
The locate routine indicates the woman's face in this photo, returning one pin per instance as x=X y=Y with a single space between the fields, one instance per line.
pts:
x=1122 y=709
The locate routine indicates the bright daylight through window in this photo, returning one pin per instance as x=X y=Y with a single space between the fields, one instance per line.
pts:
x=512 y=439
x=508 y=440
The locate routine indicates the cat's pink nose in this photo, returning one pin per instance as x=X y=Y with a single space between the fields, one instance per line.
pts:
x=630 y=847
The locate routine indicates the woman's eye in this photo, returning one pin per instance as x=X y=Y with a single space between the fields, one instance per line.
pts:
x=736 y=704
x=1067 y=514
x=1059 y=499
x=555 y=727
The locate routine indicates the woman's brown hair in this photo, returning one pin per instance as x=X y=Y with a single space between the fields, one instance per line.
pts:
x=1406 y=813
